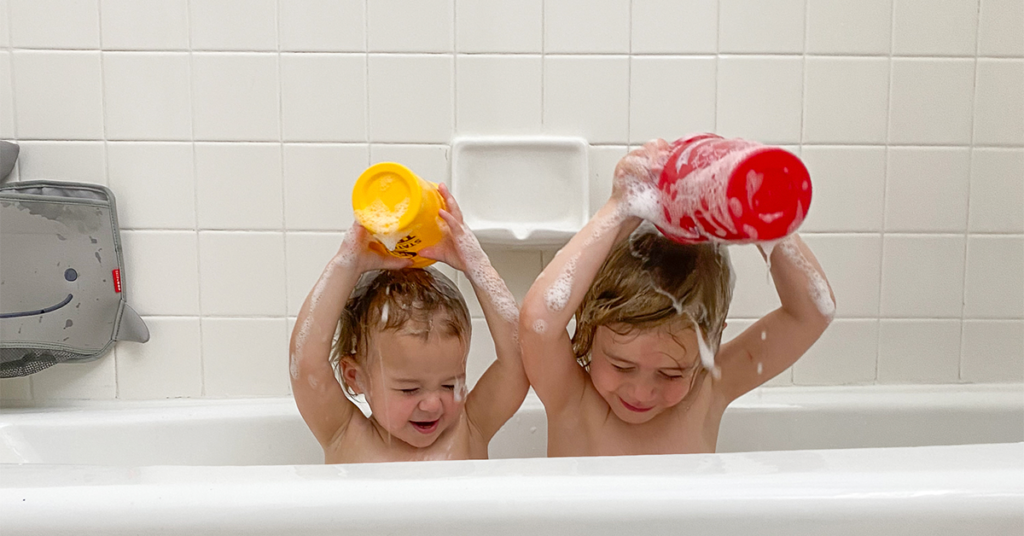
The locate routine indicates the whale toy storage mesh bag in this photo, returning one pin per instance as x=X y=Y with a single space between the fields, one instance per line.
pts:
x=61 y=277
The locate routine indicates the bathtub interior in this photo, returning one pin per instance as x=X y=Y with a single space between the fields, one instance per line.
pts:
x=269 y=431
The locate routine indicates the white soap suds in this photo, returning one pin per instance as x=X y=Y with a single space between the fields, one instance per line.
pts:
x=768 y=246
x=557 y=295
x=764 y=335
x=676 y=304
x=817 y=287
x=293 y=365
x=760 y=369
x=384 y=314
x=382 y=221
x=483 y=276
x=460 y=390
x=540 y=326
x=707 y=357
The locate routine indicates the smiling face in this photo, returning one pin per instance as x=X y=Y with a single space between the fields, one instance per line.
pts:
x=414 y=381
x=642 y=373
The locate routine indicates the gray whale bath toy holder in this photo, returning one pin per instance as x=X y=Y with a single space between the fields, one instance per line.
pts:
x=62 y=297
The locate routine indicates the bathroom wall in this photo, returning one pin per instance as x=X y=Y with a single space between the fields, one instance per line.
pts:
x=232 y=131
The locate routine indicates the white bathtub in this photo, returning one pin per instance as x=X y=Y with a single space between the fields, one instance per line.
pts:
x=793 y=461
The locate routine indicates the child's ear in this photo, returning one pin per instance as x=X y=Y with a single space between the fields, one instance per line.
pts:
x=353 y=374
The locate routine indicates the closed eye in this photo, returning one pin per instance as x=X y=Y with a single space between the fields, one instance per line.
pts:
x=409 y=391
x=622 y=369
x=449 y=387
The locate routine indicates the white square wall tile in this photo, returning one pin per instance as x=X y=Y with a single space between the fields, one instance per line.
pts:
x=5 y=41
x=6 y=95
x=308 y=255
x=846 y=100
x=995 y=277
x=920 y=27
x=586 y=26
x=405 y=111
x=754 y=295
x=233 y=24
x=59 y=95
x=588 y=97
x=238 y=186
x=168 y=366
x=318 y=182
x=849 y=188
x=853 y=266
x=919 y=351
x=245 y=356
x=999 y=28
x=498 y=26
x=410 y=25
x=323 y=25
x=518 y=268
x=146 y=96
x=242 y=273
x=993 y=351
x=73 y=161
x=498 y=94
x=849 y=26
x=161 y=275
x=999 y=103
x=931 y=100
x=77 y=381
x=846 y=353
x=922 y=276
x=766 y=26
x=323 y=97
x=154 y=184
x=671 y=97
x=235 y=97
x=60 y=24
x=144 y=24
x=602 y=162
x=672 y=27
x=481 y=352
x=996 y=191
x=927 y=189
x=760 y=98
x=429 y=162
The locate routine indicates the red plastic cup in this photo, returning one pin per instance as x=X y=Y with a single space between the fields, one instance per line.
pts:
x=731 y=190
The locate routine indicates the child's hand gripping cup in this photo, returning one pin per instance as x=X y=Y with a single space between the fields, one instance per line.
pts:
x=400 y=210
x=731 y=190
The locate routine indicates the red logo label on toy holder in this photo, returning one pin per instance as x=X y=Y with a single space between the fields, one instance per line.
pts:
x=117 y=279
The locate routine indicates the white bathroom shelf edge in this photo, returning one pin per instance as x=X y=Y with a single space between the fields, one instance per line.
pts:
x=522 y=191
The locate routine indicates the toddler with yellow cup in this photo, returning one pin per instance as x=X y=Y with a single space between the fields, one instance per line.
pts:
x=397 y=331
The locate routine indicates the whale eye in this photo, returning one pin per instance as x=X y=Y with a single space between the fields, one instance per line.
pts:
x=70 y=274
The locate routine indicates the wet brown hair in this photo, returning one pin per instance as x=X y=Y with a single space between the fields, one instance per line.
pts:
x=412 y=299
x=632 y=290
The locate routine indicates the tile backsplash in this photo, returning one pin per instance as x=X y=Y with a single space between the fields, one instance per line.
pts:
x=231 y=132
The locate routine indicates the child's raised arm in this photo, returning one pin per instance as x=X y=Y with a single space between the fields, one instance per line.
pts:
x=776 y=341
x=502 y=388
x=318 y=394
x=556 y=294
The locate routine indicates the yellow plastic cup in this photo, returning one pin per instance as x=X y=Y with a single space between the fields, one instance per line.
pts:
x=399 y=209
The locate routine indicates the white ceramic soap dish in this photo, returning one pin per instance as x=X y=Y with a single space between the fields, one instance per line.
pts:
x=522 y=191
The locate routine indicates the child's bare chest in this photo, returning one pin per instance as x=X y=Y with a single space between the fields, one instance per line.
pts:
x=363 y=443
x=690 y=427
